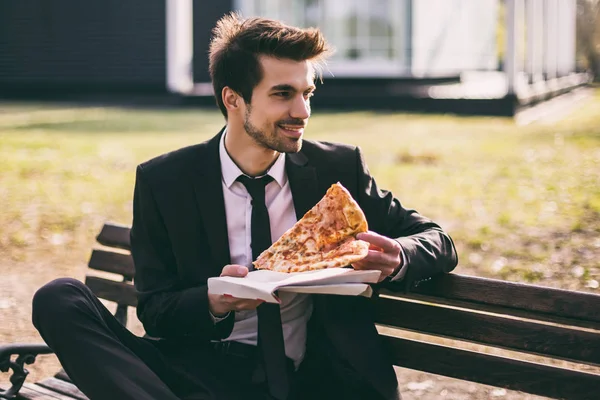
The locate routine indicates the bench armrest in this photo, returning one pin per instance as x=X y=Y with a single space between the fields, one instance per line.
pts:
x=26 y=354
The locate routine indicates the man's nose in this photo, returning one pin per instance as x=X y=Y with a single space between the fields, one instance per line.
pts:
x=300 y=108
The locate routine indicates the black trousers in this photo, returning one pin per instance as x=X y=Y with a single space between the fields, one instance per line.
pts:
x=108 y=362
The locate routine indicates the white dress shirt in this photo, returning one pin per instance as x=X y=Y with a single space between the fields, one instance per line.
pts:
x=296 y=308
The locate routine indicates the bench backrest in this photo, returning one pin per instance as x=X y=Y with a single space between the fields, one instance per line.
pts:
x=554 y=325
x=115 y=258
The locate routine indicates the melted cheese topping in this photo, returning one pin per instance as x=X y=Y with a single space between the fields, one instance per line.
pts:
x=322 y=238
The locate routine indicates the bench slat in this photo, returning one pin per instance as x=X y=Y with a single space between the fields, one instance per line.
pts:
x=543 y=380
x=114 y=235
x=62 y=387
x=563 y=303
x=109 y=261
x=119 y=292
x=568 y=344
x=532 y=315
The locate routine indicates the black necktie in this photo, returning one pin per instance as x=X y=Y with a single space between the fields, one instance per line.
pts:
x=270 y=332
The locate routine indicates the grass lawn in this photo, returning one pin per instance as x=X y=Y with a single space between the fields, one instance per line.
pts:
x=522 y=203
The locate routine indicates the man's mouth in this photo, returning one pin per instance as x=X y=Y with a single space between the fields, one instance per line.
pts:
x=292 y=130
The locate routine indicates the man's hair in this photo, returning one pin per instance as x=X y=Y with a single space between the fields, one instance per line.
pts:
x=237 y=43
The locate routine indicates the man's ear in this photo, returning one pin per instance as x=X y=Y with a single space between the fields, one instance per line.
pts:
x=231 y=99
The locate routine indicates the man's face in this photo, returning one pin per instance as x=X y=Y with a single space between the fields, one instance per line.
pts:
x=280 y=105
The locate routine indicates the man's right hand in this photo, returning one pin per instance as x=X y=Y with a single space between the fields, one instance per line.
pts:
x=220 y=305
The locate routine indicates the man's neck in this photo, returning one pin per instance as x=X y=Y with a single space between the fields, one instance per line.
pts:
x=249 y=156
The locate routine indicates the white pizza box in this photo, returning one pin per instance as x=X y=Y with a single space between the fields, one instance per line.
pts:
x=264 y=285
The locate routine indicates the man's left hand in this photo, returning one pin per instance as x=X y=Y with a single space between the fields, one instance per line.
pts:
x=384 y=255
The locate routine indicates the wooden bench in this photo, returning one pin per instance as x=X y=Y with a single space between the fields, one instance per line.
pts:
x=561 y=326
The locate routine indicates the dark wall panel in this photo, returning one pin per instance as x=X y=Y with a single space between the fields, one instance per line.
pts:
x=70 y=42
x=206 y=15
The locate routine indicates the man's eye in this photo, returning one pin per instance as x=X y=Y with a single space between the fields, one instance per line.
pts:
x=282 y=94
x=309 y=95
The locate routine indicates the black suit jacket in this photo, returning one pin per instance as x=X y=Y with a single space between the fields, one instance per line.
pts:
x=179 y=240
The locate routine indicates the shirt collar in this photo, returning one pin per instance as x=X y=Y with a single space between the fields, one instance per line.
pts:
x=230 y=171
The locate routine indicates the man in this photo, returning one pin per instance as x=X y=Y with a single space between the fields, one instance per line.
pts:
x=197 y=214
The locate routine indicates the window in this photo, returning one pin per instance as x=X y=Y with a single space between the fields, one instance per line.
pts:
x=370 y=37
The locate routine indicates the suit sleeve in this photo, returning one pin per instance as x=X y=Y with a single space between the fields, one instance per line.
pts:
x=427 y=249
x=165 y=308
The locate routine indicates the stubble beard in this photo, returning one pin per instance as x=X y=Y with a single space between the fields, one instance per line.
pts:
x=270 y=140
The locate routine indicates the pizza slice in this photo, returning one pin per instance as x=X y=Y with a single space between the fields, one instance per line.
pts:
x=323 y=238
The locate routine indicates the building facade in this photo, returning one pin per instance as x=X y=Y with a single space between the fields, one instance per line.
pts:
x=395 y=54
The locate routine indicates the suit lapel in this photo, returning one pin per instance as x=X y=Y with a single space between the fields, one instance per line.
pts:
x=209 y=195
x=303 y=182
x=211 y=203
